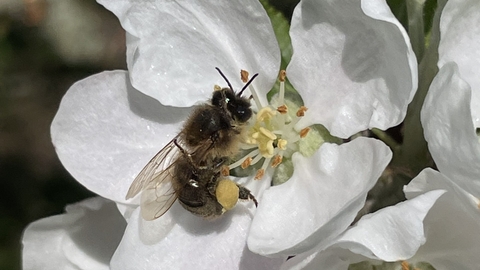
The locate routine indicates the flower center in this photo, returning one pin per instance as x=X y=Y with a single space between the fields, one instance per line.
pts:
x=271 y=135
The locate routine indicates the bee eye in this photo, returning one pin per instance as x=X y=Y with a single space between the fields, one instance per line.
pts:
x=243 y=114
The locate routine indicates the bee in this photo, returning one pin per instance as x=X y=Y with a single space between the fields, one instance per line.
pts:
x=189 y=166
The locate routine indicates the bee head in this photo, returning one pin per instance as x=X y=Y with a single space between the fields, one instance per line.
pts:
x=237 y=106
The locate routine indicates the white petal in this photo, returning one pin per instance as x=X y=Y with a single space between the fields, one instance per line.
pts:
x=192 y=243
x=460 y=42
x=449 y=130
x=451 y=226
x=181 y=42
x=105 y=132
x=393 y=233
x=331 y=259
x=83 y=238
x=352 y=64
x=320 y=200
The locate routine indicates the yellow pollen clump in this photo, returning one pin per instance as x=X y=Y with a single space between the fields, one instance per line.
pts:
x=259 y=175
x=246 y=163
x=282 y=109
x=301 y=111
x=227 y=193
x=244 y=75
x=282 y=144
x=304 y=132
x=276 y=161
x=217 y=87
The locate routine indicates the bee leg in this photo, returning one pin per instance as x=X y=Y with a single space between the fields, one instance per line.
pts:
x=187 y=155
x=245 y=194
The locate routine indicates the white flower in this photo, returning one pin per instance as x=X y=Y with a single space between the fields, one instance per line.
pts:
x=85 y=237
x=437 y=226
x=451 y=112
x=352 y=65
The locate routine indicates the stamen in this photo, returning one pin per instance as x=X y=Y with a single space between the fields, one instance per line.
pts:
x=259 y=175
x=225 y=171
x=301 y=111
x=304 y=132
x=282 y=109
x=276 y=161
x=246 y=163
x=405 y=265
x=240 y=161
x=266 y=149
x=244 y=76
x=266 y=113
x=282 y=144
x=281 y=93
x=282 y=75
x=256 y=159
x=267 y=133
x=217 y=87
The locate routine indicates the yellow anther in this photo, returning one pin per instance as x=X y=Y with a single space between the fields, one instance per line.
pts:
x=246 y=163
x=405 y=265
x=259 y=175
x=256 y=135
x=282 y=144
x=268 y=133
x=250 y=141
x=265 y=113
x=217 y=87
x=282 y=75
x=282 y=109
x=266 y=149
x=304 y=132
x=244 y=75
x=225 y=171
x=276 y=161
x=301 y=111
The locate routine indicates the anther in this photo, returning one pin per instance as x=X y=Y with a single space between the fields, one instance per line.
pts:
x=246 y=163
x=282 y=109
x=268 y=133
x=282 y=75
x=259 y=175
x=282 y=144
x=244 y=75
x=265 y=113
x=405 y=265
x=276 y=161
x=225 y=171
x=301 y=111
x=217 y=87
x=304 y=132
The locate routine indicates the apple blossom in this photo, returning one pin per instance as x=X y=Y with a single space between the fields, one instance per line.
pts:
x=352 y=65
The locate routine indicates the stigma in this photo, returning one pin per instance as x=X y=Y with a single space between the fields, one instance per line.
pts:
x=271 y=135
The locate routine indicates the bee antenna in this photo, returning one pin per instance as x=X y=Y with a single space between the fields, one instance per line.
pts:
x=247 y=84
x=225 y=78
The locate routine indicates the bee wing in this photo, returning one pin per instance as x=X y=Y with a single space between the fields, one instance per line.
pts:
x=158 y=196
x=152 y=172
x=155 y=182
